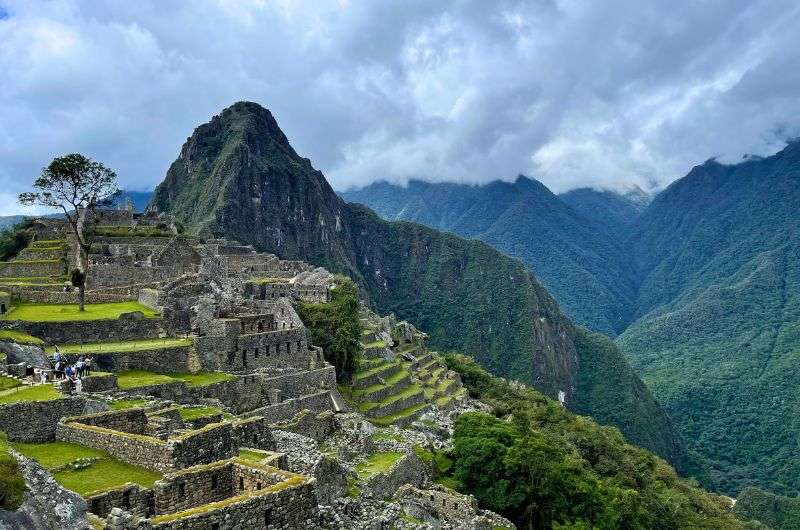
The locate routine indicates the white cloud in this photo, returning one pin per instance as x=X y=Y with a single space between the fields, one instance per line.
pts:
x=571 y=92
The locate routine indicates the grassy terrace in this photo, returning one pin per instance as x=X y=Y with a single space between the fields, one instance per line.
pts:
x=123 y=404
x=19 y=337
x=103 y=472
x=373 y=370
x=44 y=392
x=7 y=383
x=194 y=413
x=377 y=463
x=140 y=378
x=124 y=346
x=385 y=421
x=69 y=312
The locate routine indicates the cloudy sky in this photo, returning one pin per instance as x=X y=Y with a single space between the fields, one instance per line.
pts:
x=604 y=94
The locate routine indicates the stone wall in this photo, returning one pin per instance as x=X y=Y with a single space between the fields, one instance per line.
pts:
x=408 y=470
x=24 y=268
x=113 y=274
x=99 y=383
x=286 y=410
x=209 y=444
x=17 y=419
x=132 y=498
x=290 y=506
x=162 y=360
x=253 y=432
x=78 y=332
x=313 y=425
x=138 y=450
x=132 y=421
x=194 y=487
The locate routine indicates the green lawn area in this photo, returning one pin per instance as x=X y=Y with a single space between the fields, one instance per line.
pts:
x=69 y=312
x=44 y=392
x=103 y=474
x=124 y=346
x=20 y=337
x=377 y=463
x=251 y=456
x=7 y=383
x=122 y=404
x=139 y=378
x=193 y=413
x=376 y=344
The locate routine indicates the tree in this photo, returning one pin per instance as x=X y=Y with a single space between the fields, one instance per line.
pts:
x=76 y=185
x=335 y=326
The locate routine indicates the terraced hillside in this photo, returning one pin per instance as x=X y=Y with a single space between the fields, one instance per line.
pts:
x=399 y=379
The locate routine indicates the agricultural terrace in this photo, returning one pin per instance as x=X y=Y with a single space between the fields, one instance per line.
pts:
x=69 y=312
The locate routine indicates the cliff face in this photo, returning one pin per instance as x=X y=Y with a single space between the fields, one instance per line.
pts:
x=238 y=177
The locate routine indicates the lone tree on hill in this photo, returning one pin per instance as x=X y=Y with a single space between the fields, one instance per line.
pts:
x=77 y=185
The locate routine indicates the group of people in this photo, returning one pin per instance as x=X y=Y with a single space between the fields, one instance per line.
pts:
x=71 y=372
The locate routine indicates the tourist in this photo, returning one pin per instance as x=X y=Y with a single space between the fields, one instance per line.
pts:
x=57 y=356
x=78 y=385
x=68 y=371
x=42 y=376
x=87 y=366
x=79 y=367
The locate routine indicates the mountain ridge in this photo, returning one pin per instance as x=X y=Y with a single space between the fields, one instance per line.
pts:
x=237 y=173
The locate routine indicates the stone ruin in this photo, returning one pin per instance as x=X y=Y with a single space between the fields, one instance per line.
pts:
x=224 y=309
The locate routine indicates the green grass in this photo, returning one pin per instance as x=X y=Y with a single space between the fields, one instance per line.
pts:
x=384 y=421
x=7 y=383
x=377 y=463
x=375 y=344
x=251 y=456
x=122 y=404
x=140 y=378
x=391 y=381
x=55 y=454
x=193 y=413
x=124 y=346
x=129 y=231
x=44 y=392
x=379 y=368
x=69 y=312
x=103 y=474
x=19 y=337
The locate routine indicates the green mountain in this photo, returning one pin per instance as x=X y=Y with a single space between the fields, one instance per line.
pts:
x=709 y=294
x=237 y=176
x=775 y=511
x=717 y=336
x=563 y=245
x=616 y=212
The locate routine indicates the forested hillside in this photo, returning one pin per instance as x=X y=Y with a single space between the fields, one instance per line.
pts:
x=564 y=246
x=718 y=331
x=239 y=177
x=709 y=287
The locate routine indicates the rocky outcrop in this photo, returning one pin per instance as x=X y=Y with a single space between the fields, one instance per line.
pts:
x=47 y=506
x=23 y=353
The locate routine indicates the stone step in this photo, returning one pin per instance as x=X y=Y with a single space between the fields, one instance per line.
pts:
x=409 y=397
x=375 y=375
x=403 y=417
x=394 y=385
